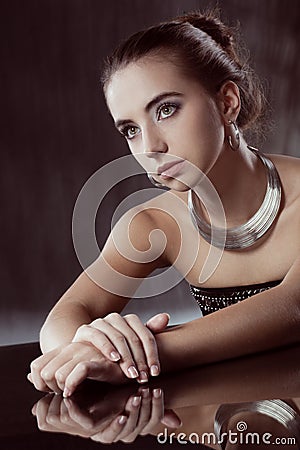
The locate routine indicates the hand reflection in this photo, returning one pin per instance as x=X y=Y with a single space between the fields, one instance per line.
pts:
x=120 y=415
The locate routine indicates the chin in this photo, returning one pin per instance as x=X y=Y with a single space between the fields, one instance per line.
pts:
x=176 y=185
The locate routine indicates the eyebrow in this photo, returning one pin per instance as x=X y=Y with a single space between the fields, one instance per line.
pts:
x=150 y=105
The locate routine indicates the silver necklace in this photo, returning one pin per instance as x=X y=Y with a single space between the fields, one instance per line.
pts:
x=246 y=234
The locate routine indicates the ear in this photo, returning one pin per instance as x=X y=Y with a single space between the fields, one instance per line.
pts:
x=229 y=101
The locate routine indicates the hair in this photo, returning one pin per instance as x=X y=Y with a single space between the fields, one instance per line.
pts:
x=205 y=49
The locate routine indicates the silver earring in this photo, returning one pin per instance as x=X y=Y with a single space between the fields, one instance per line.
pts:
x=234 y=138
x=153 y=181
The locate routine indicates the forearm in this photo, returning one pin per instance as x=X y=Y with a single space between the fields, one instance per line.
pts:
x=61 y=325
x=82 y=303
x=267 y=320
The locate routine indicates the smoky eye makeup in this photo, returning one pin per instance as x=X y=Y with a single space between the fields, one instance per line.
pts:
x=128 y=131
x=164 y=110
x=167 y=109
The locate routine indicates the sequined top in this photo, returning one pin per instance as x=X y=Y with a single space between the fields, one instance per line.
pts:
x=213 y=299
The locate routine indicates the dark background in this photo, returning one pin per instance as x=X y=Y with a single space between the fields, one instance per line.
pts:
x=55 y=130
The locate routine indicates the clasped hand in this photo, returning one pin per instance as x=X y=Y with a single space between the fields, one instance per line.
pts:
x=113 y=349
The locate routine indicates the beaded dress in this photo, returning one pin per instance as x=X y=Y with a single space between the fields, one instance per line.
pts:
x=213 y=299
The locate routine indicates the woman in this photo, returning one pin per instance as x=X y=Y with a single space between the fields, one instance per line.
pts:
x=182 y=98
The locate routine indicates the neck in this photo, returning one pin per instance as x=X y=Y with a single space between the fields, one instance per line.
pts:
x=240 y=180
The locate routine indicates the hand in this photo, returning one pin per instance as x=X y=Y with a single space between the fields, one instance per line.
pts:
x=65 y=367
x=128 y=341
x=122 y=414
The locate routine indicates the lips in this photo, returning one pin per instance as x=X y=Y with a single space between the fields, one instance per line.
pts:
x=167 y=166
x=171 y=170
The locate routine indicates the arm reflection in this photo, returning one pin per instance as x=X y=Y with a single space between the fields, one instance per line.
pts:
x=192 y=396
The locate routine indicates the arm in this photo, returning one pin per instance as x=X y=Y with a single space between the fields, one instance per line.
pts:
x=87 y=300
x=266 y=320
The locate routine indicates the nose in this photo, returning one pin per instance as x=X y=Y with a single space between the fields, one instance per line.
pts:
x=153 y=143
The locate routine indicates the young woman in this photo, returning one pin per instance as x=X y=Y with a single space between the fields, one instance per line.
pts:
x=183 y=98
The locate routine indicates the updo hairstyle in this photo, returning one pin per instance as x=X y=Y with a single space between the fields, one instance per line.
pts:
x=205 y=49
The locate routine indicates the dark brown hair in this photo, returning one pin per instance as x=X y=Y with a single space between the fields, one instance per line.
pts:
x=205 y=49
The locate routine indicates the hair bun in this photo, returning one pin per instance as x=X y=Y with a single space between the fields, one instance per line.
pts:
x=211 y=24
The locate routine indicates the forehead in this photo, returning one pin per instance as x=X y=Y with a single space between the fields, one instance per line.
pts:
x=132 y=87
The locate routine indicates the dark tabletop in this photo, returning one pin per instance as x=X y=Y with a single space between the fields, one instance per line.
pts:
x=194 y=395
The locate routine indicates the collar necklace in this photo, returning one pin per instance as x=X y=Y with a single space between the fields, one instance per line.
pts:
x=246 y=234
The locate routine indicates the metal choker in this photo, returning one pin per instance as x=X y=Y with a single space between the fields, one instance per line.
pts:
x=246 y=234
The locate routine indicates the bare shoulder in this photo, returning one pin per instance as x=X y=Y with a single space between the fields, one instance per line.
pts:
x=288 y=168
x=149 y=229
x=165 y=209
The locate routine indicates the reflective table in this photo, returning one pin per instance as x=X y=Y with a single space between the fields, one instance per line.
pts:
x=250 y=402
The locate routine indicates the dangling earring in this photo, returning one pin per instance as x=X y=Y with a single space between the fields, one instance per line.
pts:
x=153 y=181
x=234 y=137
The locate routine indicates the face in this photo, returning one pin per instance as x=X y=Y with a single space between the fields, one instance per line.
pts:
x=166 y=119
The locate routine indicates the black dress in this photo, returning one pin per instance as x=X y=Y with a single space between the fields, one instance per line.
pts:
x=213 y=299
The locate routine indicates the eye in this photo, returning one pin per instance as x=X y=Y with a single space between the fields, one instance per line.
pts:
x=166 y=110
x=129 y=132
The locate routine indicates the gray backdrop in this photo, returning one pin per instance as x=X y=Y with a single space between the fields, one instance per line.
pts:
x=55 y=133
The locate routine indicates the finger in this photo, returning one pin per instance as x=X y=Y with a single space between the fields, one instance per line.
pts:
x=77 y=415
x=143 y=419
x=115 y=427
x=63 y=372
x=53 y=414
x=48 y=375
x=149 y=345
x=125 y=340
x=88 y=333
x=41 y=411
x=36 y=368
x=81 y=371
x=158 y=322
x=156 y=413
x=170 y=419
x=132 y=410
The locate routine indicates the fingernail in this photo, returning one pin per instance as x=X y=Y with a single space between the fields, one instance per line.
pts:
x=143 y=378
x=115 y=356
x=136 y=401
x=133 y=373
x=157 y=393
x=122 y=420
x=66 y=392
x=154 y=370
x=145 y=392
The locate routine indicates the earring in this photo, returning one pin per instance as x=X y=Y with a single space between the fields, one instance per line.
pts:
x=234 y=138
x=153 y=181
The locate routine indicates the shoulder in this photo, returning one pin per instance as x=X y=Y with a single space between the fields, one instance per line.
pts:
x=148 y=228
x=288 y=168
x=158 y=222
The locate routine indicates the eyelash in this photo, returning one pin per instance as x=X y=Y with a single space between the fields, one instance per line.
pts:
x=167 y=104
x=124 y=130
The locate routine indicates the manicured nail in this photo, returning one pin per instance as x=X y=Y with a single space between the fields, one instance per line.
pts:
x=154 y=370
x=122 y=420
x=115 y=356
x=157 y=393
x=143 y=378
x=133 y=373
x=66 y=392
x=136 y=401
x=145 y=392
